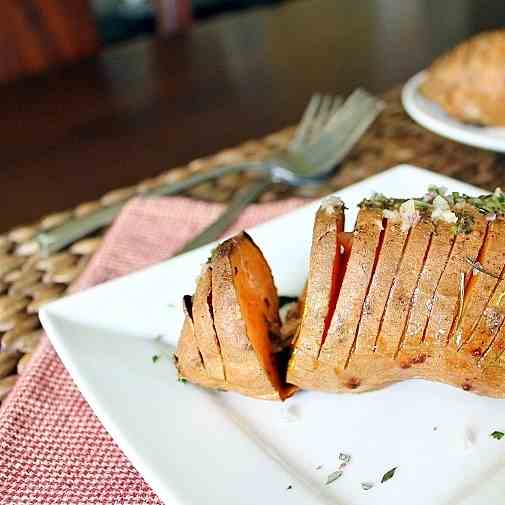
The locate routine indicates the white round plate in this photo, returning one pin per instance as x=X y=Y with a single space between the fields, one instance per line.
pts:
x=434 y=118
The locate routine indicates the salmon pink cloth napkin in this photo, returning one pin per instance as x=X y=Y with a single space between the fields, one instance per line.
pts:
x=53 y=450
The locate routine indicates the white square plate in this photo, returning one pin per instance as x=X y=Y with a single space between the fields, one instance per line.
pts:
x=196 y=447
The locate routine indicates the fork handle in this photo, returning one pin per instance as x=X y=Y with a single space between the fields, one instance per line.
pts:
x=240 y=201
x=61 y=236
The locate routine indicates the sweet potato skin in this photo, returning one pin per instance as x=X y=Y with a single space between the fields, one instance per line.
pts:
x=203 y=320
x=188 y=359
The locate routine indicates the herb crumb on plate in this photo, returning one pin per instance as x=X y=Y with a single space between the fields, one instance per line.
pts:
x=334 y=476
x=388 y=475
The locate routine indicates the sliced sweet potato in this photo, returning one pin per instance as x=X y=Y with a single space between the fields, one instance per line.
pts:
x=358 y=273
x=325 y=273
x=434 y=265
x=229 y=340
x=400 y=298
x=375 y=303
x=203 y=320
x=188 y=359
x=257 y=298
x=488 y=323
x=384 y=306
x=447 y=295
x=482 y=283
x=495 y=350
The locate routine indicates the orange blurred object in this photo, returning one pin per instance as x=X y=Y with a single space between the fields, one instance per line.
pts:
x=37 y=34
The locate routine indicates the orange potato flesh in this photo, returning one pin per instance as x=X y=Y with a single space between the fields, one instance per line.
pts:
x=358 y=273
x=402 y=290
x=447 y=295
x=257 y=298
x=385 y=271
x=343 y=241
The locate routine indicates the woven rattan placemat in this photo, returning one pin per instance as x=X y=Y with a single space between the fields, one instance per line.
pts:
x=27 y=281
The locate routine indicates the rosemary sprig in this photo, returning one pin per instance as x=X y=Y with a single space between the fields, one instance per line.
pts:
x=461 y=309
x=477 y=266
x=388 y=475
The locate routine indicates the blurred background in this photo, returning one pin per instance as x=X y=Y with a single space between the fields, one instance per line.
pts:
x=100 y=94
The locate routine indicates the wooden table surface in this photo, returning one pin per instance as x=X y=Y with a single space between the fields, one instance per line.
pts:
x=137 y=109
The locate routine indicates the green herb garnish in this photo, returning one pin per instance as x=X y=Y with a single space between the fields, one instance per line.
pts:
x=489 y=205
x=345 y=458
x=388 y=475
x=155 y=358
x=334 y=476
x=182 y=379
x=477 y=266
x=289 y=487
x=379 y=201
x=465 y=223
x=461 y=309
x=498 y=435
x=437 y=190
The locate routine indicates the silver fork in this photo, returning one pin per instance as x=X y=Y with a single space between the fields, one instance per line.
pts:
x=327 y=132
x=359 y=110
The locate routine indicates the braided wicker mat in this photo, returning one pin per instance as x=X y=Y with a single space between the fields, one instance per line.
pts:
x=27 y=281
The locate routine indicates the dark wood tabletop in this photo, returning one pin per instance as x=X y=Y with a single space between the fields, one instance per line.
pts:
x=137 y=109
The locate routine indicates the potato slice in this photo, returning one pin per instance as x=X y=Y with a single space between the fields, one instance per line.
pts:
x=481 y=285
x=447 y=295
x=382 y=281
x=187 y=357
x=357 y=277
x=325 y=273
x=495 y=350
x=400 y=298
x=203 y=320
x=434 y=265
x=488 y=325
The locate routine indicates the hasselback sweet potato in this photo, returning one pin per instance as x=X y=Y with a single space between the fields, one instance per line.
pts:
x=417 y=290
x=231 y=338
x=422 y=296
